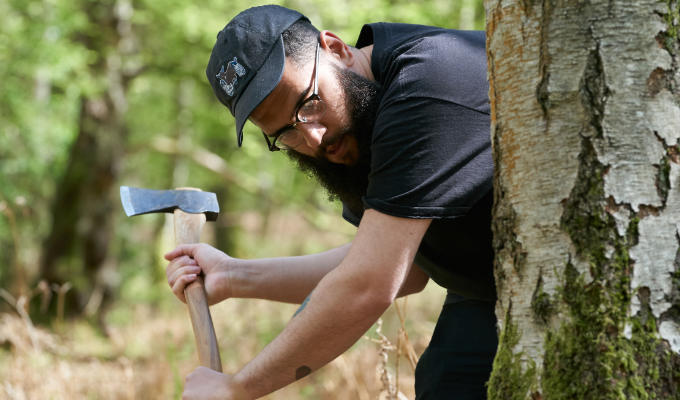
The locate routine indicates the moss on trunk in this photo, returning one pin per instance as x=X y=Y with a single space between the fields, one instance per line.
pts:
x=583 y=341
x=592 y=347
x=509 y=380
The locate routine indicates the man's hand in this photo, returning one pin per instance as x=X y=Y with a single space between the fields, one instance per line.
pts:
x=204 y=384
x=189 y=260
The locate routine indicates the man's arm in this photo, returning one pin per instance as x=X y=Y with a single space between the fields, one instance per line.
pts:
x=415 y=281
x=286 y=279
x=343 y=306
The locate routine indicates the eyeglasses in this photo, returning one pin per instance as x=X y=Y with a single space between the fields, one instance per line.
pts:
x=309 y=110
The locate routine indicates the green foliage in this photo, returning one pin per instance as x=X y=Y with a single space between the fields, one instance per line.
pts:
x=52 y=54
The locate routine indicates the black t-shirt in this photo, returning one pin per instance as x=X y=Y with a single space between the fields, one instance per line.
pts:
x=430 y=147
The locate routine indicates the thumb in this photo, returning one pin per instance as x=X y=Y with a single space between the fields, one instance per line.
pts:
x=181 y=250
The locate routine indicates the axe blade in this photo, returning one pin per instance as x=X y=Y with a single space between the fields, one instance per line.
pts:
x=137 y=201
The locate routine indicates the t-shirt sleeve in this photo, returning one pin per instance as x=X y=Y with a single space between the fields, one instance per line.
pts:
x=430 y=151
x=350 y=216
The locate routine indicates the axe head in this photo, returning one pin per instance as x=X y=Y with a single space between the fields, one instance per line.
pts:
x=138 y=201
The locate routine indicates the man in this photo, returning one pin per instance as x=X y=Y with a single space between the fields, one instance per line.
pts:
x=397 y=128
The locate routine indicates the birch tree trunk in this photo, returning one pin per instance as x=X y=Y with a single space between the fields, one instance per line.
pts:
x=585 y=129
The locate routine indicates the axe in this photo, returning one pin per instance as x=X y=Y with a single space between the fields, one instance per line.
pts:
x=191 y=208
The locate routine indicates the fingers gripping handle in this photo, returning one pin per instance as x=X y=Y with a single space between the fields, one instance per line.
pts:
x=188 y=230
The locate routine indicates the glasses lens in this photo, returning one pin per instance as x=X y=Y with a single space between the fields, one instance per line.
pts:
x=311 y=111
x=289 y=140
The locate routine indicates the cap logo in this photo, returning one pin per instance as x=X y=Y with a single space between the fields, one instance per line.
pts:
x=228 y=76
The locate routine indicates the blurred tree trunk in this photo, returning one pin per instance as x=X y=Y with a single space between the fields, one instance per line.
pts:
x=585 y=129
x=76 y=248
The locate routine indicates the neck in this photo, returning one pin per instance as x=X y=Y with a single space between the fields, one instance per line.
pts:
x=362 y=66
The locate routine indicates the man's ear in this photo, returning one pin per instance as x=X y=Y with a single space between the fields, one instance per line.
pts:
x=336 y=48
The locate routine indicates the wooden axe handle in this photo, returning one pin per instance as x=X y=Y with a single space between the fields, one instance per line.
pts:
x=188 y=230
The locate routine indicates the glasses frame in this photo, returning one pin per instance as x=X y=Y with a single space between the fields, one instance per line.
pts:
x=271 y=144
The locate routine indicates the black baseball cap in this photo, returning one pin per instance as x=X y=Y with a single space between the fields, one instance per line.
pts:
x=247 y=60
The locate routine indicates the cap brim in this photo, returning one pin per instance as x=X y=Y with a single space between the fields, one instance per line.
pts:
x=262 y=84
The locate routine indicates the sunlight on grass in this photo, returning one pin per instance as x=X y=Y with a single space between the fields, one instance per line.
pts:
x=147 y=351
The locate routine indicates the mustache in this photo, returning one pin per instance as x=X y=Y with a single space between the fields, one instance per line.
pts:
x=328 y=141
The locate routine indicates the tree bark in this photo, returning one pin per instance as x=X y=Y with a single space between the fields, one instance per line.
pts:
x=585 y=129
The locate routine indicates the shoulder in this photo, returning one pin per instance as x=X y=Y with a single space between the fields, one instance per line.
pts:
x=394 y=42
x=416 y=61
x=430 y=149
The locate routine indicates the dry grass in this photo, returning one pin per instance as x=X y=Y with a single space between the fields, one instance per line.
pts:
x=148 y=351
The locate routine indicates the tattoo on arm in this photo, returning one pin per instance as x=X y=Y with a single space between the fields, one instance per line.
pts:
x=302 y=372
x=302 y=306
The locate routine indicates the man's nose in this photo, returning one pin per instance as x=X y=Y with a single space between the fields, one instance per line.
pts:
x=313 y=133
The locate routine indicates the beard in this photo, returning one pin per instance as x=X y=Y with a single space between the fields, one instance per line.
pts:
x=348 y=183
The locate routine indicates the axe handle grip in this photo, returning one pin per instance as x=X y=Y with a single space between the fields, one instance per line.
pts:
x=188 y=230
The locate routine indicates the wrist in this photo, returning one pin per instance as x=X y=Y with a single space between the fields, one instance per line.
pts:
x=235 y=278
x=239 y=388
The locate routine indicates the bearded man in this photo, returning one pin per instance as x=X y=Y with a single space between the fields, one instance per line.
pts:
x=397 y=128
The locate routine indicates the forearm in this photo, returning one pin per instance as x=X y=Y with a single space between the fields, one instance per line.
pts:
x=337 y=315
x=344 y=304
x=286 y=279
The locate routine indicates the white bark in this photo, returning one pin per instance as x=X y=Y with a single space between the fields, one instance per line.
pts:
x=565 y=73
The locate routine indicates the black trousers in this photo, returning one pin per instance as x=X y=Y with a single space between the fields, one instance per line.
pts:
x=457 y=363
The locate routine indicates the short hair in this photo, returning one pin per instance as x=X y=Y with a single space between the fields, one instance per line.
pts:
x=299 y=41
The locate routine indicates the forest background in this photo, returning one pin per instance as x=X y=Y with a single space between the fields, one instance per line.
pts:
x=99 y=94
